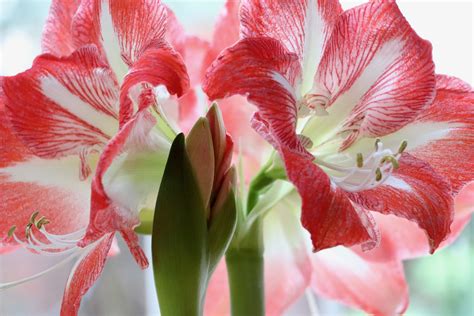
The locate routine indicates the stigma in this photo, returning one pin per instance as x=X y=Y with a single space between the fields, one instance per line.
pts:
x=362 y=172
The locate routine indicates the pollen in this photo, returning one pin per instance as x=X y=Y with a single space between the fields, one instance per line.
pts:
x=378 y=174
x=11 y=231
x=360 y=160
x=402 y=147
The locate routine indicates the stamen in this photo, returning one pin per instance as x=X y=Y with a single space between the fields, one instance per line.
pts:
x=360 y=160
x=392 y=160
x=403 y=146
x=378 y=174
x=33 y=217
x=11 y=231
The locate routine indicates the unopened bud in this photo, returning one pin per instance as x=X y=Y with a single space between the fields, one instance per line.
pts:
x=228 y=183
x=199 y=146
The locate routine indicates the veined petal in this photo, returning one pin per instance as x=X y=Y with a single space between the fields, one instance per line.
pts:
x=376 y=288
x=327 y=213
x=442 y=135
x=303 y=27
x=262 y=70
x=57 y=36
x=415 y=192
x=63 y=106
x=401 y=239
x=156 y=66
x=123 y=29
x=375 y=71
x=226 y=33
x=84 y=274
x=29 y=184
x=127 y=173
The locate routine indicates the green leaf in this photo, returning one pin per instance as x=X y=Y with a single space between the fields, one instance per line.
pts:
x=179 y=240
x=221 y=230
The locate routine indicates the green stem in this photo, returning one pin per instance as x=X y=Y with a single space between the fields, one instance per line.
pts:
x=245 y=272
x=146 y=222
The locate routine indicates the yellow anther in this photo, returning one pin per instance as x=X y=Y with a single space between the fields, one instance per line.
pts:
x=378 y=174
x=11 y=231
x=403 y=146
x=392 y=160
x=33 y=217
x=28 y=230
x=42 y=221
x=360 y=160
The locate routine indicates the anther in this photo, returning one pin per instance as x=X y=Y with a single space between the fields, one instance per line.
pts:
x=378 y=174
x=28 y=230
x=392 y=160
x=377 y=141
x=42 y=221
x=403 y=146
x=33 y=217
x=11 y=231
x=360 y=160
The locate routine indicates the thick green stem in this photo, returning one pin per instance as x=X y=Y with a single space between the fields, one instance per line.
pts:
x=245 y=271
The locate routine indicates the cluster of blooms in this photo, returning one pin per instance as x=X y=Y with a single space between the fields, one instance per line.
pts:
x=363 y=126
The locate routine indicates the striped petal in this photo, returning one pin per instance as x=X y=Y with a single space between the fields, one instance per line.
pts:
x=31 y=184
x=57 y=36
x=401 y=239
x=442 y=135
x=63 y=106
x=262 y=70
x=123 y=29
x=375 y=72
x=129 y=170
x=376 y=288
x=303 y=27
x=157 y=66
x=415 y=192
x=226 y=33
x=327 y=213
x=84 y=274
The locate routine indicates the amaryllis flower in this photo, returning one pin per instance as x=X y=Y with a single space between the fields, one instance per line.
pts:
x=373 y=280
x=347 y=100
x=84 y=133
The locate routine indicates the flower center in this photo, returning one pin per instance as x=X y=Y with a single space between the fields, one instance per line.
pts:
x=359 y=172
x=313 y=104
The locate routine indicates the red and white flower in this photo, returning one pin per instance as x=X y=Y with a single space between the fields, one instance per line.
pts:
x=262 y=67
x=347 y=100
x=85 y=133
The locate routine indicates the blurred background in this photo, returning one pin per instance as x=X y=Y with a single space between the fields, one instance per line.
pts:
x=441 y=284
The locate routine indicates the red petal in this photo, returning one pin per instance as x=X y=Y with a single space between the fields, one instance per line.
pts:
x=327 y=213
x=84 y=274
x=415 y=192
x=263 y=71
x=63 y=106
x=57 y=36
x=376 y=288
x=136 y=25
x=296 y=24
x=402 y=239
x=156 y=66
x=376 y=71
x=451 y=150
x=106 y=215
x=226 y=33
